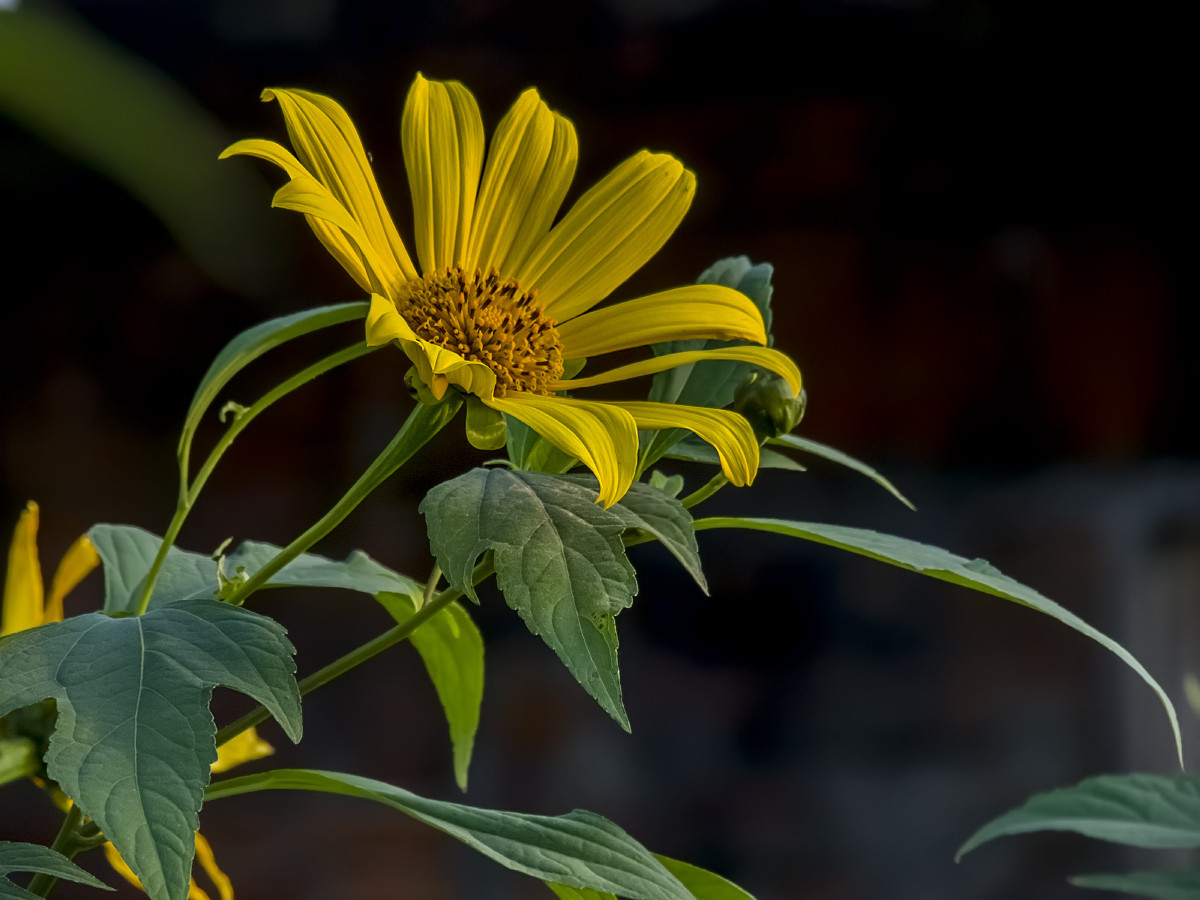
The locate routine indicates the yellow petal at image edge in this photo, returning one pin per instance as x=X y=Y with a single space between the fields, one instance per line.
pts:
x=23 y=588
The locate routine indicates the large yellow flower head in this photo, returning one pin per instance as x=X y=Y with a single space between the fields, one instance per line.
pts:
x=506 y=299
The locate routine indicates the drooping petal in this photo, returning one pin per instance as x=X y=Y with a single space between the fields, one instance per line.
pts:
x=608 y=234
x=772 y=360
x=332 y=236
x=208 y=862
x=441 y=133
x=529 y=167
x=695 y=311
x=81 y=557
x=600 y=435
x=729 y=433
x=328 y=145
x=242 y=748
x=306 y=195
x=23 y=590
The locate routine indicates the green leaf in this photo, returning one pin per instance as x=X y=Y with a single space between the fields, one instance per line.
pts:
x=134 y=736
x=247 y=347
x=837 y=456
x=18 y=758
x=703 y=884
x=711 y=383
x=569 y=893
x=94 y=101
x=127 y=552
x=16 y=857
x=1177 y=885
x=559 y=562
x=451 y=647
x=579 y=849
x=1140 y=810
x=692 y=449
x=945 y=566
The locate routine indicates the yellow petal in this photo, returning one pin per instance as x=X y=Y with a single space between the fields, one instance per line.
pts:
x=81 y=557
x=727 y=431
x=529 y=168
x=120 y=866
x=772 y=360
x=208 y=862
x=243 y=748
x=328 y=146
x=441 y=133
x=332 y=236
x=23 y=590
x=695 y=311
x=608 y=234
x=602 y=436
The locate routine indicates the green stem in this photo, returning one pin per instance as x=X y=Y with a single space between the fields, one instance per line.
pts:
x=64 y=842
x=715 y=483
x=361 y=654
x=189 y=492
x=431 y=585
x=422 y=424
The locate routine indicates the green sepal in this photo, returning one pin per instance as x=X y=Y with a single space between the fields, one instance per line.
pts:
x=485 y=426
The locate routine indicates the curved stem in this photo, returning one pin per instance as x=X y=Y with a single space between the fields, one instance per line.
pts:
x=714 y=484
x=361 y=654
x=422 y=424
x=65 y=844
x=189 y=492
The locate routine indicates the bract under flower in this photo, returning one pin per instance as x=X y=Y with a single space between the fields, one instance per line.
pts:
x=506 y=297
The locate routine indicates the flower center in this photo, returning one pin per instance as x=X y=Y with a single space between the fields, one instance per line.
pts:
x=487 y=319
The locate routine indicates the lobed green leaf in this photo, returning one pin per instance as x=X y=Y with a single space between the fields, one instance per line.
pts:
x=1140 y=810
x=579 y=849
x=16 y=857
x=134 y=738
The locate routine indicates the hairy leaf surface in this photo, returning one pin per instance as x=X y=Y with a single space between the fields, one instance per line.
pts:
x=579 y=849
x=134 y=737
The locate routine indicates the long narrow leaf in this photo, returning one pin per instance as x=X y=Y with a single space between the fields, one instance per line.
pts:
x=935 y=562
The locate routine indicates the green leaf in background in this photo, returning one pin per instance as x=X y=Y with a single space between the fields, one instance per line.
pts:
x=36 y=858
x=127 y=551
x=833 y=455
x=711 y=383
x=559 y=562
x=579 y=849
x=18 y=758
x=1177 y=885
x=115 y=113
x=945 y=566
x=703 y=884
x=569 y=893
x=134 y=737
x=243 y=350
x=692 y=449
x=451 y=648
x=1140 y=810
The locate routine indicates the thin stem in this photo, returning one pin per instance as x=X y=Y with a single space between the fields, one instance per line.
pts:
x=431 y=585
x=421 y=425
x=189 y=492
x=714 y=484
x=64 y=843
x=361 y=654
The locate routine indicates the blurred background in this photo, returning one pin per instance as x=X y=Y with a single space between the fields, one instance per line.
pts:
x=975 y=211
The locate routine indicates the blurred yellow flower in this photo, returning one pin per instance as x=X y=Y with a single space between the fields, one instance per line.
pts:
x=24 y=606
x=505 y=299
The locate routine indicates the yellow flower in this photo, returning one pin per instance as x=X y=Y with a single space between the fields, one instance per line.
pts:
x=505 y=298
x=23 y=607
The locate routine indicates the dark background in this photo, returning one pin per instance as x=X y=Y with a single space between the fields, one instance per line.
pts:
x=976 y=213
